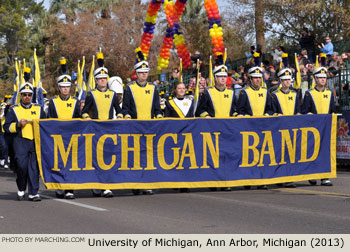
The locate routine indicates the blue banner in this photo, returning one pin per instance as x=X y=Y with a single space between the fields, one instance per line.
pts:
x=175 y=153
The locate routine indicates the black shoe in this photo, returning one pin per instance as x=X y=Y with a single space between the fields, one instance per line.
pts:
x=313 y=182
x=226 y=189
x=290 y=185
x=59 y=194
x=147 y=192
x=20 y=198
x=213 y=189
x=107 y=194
x=96 y=192
x=247 y=187
x=136 y=191
x=184 y=190
x=262 y=187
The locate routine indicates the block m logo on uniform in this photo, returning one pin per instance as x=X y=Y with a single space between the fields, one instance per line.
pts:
x=325 y=96
x=226 y=96
x=148 y=91
x=290 y=98
x=107 y=96
x=69 y=105
x=33 y=112
x=261 y=95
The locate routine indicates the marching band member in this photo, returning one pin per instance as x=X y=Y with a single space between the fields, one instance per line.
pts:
x=64 y=106
x=218 y=101
x=101 y=103
x=179 y=106
x=141 y=99
x=319 y=100
x=286 y=101
x=254 y=100
x=19 y=122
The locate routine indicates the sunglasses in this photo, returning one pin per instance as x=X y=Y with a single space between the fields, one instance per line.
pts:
x=25 y=95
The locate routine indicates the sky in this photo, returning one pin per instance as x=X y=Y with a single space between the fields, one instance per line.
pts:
x=221 y=3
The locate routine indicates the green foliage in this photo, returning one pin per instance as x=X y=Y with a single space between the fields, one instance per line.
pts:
x=17 y=39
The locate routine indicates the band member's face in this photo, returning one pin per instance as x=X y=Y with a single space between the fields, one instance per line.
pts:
x=65 y=90
x=221 y=80
x=322 y=81
x=102 y=83
x=286 y=83
x=180 y=90
x=256 y=81
x=26 y=98
x=143 y=76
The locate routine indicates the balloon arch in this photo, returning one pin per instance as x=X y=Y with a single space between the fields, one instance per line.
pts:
x=173 y=35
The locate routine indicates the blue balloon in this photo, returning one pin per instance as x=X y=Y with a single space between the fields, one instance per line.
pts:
x=148 y=24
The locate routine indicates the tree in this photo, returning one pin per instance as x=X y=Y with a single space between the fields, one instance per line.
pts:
x=17 y=40
x=118 y=37
x=327 y=17
x=105 y=6
x=68 y=8
x=196 y=28
x=260 y=25
x=284 y=20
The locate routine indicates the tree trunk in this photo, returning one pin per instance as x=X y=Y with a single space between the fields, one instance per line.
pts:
x=47 y=58
x=260 y=25
x=106 y=13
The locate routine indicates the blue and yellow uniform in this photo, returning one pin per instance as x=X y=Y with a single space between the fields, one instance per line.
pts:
x=254 y=102
x=25 y=156
x=179 y=108
x=318 y=102
x=101 y=105
x=286 y=103
x=217 y=103
x=61 y=108
x=141 y=101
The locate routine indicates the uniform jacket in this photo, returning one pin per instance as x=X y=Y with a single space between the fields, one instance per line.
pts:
x=254 y=102
x=141 y=101
x=286 y=103
x=172 y=110
x=217 y=103
x=19 y=112
x=101 y=105
x=318 y=102
x=64 y=108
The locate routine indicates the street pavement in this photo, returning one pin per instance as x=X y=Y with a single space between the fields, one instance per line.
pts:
x=305 y=209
